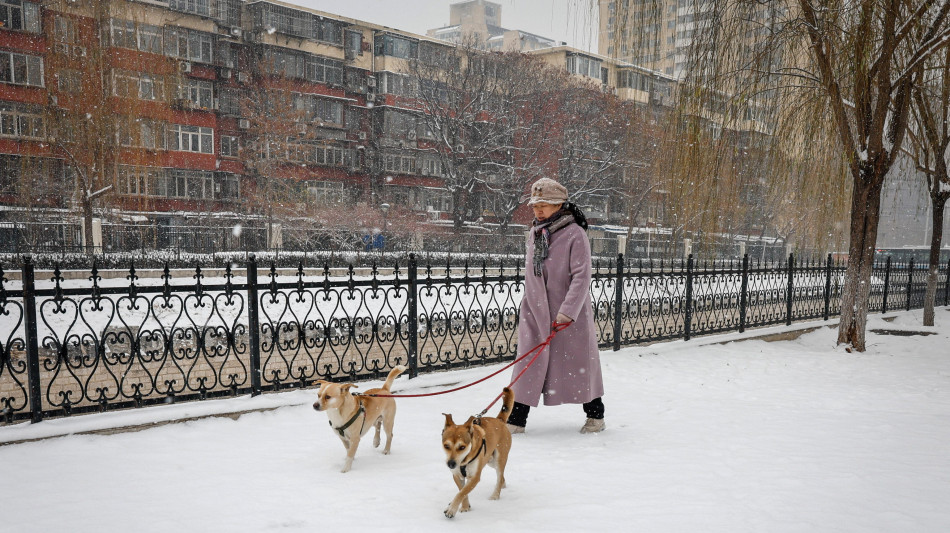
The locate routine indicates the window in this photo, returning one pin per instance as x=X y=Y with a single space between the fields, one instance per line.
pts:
x=318 y=154
x=137 y=181
x=195 y=7
x=584 y=66
x=136 y=36
x=388 y=44
x=328 y=31
x=430 y=166
x=21 y=122
x=191 y=139
x=64 y=30
x=354 y=44
x=229 y=146
x=313 y=108
x=399 y=164
x=19 y=15
x=229 y=102
x=188 y=44
x=300 y=65
x=69 y=81
x=398 y=84
x=21 y=69
x=139 y=85
x=326 y=193
x=398 y=124
x=136 y=132
x=199 y=93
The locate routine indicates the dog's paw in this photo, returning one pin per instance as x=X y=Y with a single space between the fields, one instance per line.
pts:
x=495 y=497
x=466 y=508
x=449 y=513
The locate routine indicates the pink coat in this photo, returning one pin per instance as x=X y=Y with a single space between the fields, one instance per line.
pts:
x=569 y=370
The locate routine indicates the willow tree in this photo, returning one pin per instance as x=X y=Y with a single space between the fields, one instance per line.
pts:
x=829 y=73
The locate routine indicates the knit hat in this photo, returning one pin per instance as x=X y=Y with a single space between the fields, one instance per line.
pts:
x=547 y=191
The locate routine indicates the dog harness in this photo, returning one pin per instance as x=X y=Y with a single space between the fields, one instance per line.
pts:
x=341 y=429
x=480 y=450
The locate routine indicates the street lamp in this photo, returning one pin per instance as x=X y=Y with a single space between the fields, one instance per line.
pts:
x=385 y=209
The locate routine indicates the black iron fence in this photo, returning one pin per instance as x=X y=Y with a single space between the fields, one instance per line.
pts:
x=73 y=342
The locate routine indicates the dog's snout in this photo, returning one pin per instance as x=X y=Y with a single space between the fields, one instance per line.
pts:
x=451 y=464
x=316 y=406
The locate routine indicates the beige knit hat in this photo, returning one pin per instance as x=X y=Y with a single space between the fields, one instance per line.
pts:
x=547 y=191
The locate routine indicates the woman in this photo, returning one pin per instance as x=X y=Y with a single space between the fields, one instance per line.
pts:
x=557 y=289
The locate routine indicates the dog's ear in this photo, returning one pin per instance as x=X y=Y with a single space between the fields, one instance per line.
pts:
x=347 y=386
x=448 y=420
x=322 y=382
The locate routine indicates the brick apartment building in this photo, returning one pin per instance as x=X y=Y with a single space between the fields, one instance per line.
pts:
x=179 y=119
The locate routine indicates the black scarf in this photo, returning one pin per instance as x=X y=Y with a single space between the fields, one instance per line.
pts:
x=565 y=216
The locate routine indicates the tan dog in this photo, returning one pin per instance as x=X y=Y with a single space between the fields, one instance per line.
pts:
x=471 y=446
x=352 y=416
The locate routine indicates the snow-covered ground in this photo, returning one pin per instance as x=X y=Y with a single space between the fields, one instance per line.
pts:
x=752 y=436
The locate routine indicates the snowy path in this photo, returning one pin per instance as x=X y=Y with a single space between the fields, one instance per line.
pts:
x=791 y=436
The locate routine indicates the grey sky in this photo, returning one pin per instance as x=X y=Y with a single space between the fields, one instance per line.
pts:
x=571 y=21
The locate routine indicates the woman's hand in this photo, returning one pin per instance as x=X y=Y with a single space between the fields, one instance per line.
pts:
x=563 y=319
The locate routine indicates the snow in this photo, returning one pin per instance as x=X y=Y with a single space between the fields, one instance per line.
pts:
x=710 y=435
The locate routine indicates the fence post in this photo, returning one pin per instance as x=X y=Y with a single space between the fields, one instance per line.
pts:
x=413 y=319
x=946 y=286
x=791 y=290
x=32 y=345
x=618 y=302
x=688 y=319
x=743 y=292
x=910 y=280
x=828 y=287
x=254 y=324
x=887 y=283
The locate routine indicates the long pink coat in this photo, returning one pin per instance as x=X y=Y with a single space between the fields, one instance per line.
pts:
x=569 y=370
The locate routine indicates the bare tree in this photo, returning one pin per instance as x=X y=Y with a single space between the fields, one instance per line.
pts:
x=490 y=118
x=930 y=148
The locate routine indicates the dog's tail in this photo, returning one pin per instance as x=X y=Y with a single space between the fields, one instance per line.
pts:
x=507 y=402
x=393 y=374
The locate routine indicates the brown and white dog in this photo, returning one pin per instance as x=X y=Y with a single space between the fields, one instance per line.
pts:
x=471 y=446
x=351 y=416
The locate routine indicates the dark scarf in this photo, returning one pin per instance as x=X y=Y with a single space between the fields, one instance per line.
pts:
x=567 y=215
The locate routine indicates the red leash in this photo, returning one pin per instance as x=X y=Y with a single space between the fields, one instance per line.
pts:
x=555 y=328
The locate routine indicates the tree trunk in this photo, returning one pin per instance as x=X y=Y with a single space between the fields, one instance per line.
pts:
x=936 y=235
x=88 y=243
x=865 y=215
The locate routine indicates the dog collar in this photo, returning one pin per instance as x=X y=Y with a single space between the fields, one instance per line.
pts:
x=350 y=422
x=480 y=450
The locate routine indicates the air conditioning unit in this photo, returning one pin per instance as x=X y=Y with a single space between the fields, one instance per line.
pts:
x=460 y=149
x=215 y=104
x=301 y=128
x=79 y=51
x=237 y=32
x=371 y=81
x=411 y=135
x=184 y=66
x=244 y=123
x=225 y=74
x=242 y=77
x=362 y=135
x=370 y=96
x=61 y=48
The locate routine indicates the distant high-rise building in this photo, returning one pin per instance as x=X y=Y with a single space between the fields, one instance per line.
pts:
x=480 y=22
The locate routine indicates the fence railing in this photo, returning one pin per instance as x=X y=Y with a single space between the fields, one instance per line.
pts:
x=99 y=342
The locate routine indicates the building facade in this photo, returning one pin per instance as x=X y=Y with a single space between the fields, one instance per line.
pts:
x=173 y=122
